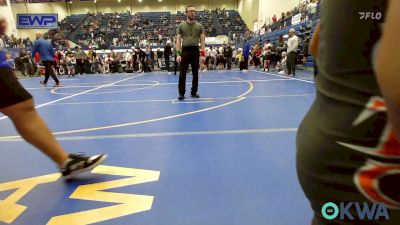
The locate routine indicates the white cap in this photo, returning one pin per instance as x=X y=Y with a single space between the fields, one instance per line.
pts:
x=292 y=30
x=285 y=36
x=169 y=42
x=283 y=53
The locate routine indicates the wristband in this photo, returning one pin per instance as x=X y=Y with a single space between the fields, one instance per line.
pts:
x=203 y=53
x=178 y=52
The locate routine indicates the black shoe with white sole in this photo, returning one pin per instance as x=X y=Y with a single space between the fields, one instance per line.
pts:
x=78 y=164
x=195 y=96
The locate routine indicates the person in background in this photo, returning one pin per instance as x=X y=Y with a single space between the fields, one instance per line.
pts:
x=167 y=55
x=10 y=61
x=293 y=44
x=18 y=105
x=274 y=19
x=267 y=59
x=312 y=48
x=142 y=59
x=46 y=52
x=62 y=66
x=306 y=46
x=203 y=62
x=176 y=64
x=228 y=56
x=71 y=63
x=220 y=59
x=126 y=55
x=69 y=53
x=239 y=60
x=257 y=55
x=159 y=58
x=213 y=57
x=246 y=54
x=80 y=57
x=281 y=66
x=312 y=9
x=26 y=61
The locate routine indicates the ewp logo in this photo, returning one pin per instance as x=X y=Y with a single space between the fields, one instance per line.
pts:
x=37 y=21
x=378 y=211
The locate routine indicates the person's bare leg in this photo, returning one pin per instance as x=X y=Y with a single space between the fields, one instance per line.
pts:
x=35 y=131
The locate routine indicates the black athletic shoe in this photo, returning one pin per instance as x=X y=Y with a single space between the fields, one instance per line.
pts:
x=181 y=97
x=195 y=96
x=57 y=85
x=43 y=83
x=79 y=163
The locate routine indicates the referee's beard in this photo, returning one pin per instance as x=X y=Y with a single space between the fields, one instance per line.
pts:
x=191 y=18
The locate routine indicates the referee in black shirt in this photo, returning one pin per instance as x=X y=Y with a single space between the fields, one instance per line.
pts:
x=190 y=33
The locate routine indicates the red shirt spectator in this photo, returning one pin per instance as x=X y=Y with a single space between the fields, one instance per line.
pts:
x=37 y=57
x=274 y=19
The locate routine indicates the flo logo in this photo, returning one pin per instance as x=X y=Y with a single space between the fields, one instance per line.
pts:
x=370 y=15
x=377 y=211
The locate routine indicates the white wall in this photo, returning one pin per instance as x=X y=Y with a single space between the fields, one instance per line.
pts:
x=270 y=7
x=20 y=8
x=109 y=6
x=6 y=12
x=134 y=6
x=249 y=10
x=82 y=7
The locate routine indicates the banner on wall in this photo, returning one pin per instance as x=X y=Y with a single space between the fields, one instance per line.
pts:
x=37 y=21
x=219 y=40
x=33 y=1
x=296 y=19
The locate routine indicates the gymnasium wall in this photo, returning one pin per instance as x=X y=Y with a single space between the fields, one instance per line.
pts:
x=149 y=5
x=270 y=7
x=7 y=13
x=249 y=10
x=56 y=7
x=109 y=6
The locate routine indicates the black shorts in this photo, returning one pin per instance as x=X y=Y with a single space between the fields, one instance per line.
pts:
x=11 y=91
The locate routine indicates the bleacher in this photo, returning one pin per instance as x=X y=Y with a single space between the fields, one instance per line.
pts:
x=83 y=34
x=234 y=26
x=74 y=20
x=203 y=17
x=157 y=19
x=303 y=29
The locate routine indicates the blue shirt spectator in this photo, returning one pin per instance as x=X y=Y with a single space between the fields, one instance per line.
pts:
x=45 y=50
x=11 y=63
x=246 y=49
x=3 y=61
